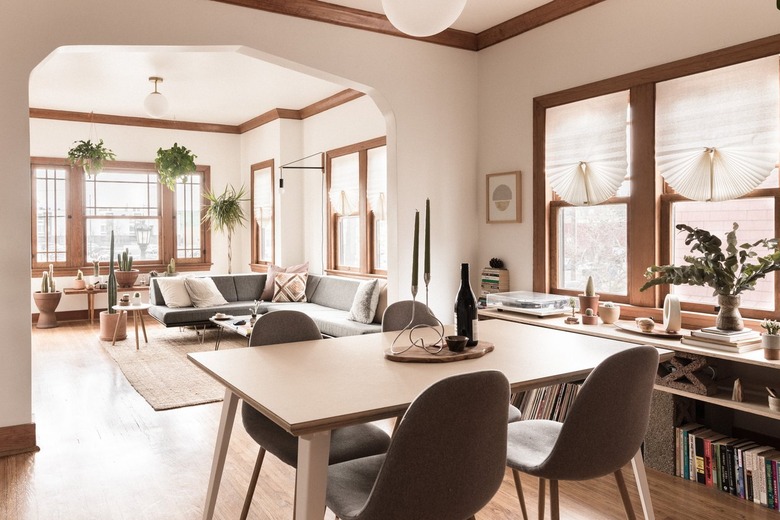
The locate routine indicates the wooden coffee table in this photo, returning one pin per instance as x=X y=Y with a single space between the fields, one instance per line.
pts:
x=136 y=308
x=229 y=323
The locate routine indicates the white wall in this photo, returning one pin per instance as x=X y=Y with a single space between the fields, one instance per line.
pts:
x=426 y=93
x=606 y=40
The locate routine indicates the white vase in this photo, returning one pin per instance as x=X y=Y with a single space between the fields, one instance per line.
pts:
x=672 y=315
x=771 y=344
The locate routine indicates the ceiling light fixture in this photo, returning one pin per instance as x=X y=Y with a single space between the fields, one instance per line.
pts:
x=417 y=18
x=155 y=103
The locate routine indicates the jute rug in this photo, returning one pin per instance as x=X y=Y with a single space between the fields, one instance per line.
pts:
x=160 y=370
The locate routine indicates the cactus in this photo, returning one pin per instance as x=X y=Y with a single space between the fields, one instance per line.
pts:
x=171 y=269
x=125 y=261
x=589 y=290
x=111 y=279
x=79 y=275
x=45 y=287
x=588 y=312
x=95 y=268
x=52 y=283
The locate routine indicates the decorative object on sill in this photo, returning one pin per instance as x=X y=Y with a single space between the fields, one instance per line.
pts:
x=422 y=19
x=125 y=275
x=672 y=315
x=79 y=282
x=225 y=214
x=645 y=324
x=771 y=339
x=728 y=272
x=609 y=312
x=155 y=104
x=136 y=298
x=589 y=317
x=174 y=163
x=170 y=269
x=572 y=320
x=687 y=372
x=47 y=300
x=502 y=197
x=589 y=299
x=90 y=156
x=736 y=391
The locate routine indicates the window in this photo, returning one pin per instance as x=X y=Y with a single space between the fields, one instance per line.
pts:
x=357 y=185
x=618 y=239
x=263 y=213
x=74 y=216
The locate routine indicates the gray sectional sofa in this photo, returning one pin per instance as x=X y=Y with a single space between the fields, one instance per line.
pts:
x=329 y=299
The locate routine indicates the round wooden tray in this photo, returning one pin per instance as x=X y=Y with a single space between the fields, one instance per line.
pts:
x=657 y=330
x=418 y=355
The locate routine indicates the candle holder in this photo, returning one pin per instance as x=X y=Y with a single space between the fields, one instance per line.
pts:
x=418 y=341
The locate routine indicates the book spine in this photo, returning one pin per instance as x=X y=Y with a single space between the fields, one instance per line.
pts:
x=716 y=471
x=699 y=453
x=770 y=490
x=748 y=467
x=724 y=460
x=775 y=483
x=761 y=474
x=732 y=470
x=708 y=462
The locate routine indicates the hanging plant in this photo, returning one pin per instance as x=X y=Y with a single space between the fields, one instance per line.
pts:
x=225 y=213
x=90 y=156
x=173 y=164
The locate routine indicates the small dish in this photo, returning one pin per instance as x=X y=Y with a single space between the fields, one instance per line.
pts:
x=456 y=343
x=222 y=316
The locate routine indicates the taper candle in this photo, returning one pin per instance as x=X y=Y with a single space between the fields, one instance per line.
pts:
x=427 y=269
x=416 y=247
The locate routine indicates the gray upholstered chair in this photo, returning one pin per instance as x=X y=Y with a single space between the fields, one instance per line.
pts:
x=602 y=432
x=346 y=443
x=399 y=315
x=445 y=462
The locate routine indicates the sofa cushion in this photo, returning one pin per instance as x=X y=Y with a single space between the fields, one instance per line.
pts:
x=268 y=291
x=331 y=322
x=226 y=286
x=290 y=287
x=364 y=303
x=196 y=315
x=249 y=286
x=336 y=292
x=173 y=292
x=203 y=292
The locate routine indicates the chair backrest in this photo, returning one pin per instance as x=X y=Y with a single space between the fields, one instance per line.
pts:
x=283 y=327
x=608 y=420
x=399 y=315
x=447 y=458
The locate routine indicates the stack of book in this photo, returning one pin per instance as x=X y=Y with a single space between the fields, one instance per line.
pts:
x=740 y=341
x=493 y=281
x=737 y=466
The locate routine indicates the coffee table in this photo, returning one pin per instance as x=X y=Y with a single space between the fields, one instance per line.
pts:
x=229 y=324
x=136 y=308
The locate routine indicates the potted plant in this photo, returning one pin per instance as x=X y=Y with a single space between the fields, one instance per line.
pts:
x=112 y=322
x=170 y=269
x=90 y=156
x=589 y=299
x=225 y=213
x=174 y=163
x=79 y=282
x=770 y=340
x=126 y=275
x=609 y=312
x=589 y=317
x=728 y=272
x=47 y=300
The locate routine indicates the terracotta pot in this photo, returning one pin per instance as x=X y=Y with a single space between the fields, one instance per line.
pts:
x=47 y=304
x=126 y=278
x=609 y=314
x=108 y=323
x=590 y=320
x=589 y=302
x=728 y=317
x=771 y=344
x=79 y=284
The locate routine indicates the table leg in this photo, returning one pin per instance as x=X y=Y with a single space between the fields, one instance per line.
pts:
x=641 y=483
x=143 y=325
x=135 y=325
x=91 y=307
x=116 y=327
x=219 y=336
x=229 y=406
x=312 y=475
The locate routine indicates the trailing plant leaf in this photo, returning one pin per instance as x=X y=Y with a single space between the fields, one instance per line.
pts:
x=174 y=163
x=90 y=155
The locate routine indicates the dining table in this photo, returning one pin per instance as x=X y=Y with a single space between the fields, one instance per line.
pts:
x=312 y=387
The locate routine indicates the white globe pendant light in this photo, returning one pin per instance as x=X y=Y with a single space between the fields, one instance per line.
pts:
x=422 y=17
x=155 y=103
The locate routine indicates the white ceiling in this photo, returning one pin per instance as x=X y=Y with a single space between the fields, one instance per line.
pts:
x=204 y=85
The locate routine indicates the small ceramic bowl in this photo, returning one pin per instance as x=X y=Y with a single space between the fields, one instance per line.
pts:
x=220 y=315
x=456 y=343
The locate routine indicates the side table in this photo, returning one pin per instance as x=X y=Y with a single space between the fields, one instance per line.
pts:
x=136 y=308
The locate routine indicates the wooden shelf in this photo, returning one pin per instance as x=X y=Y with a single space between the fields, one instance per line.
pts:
x=754 y=403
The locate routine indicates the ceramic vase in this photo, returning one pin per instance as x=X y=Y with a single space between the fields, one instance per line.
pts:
x=728 y=315
x=47 y=304
x=126 y=278
x=609 y=314
x=771 y=344
x=672 y=315
x=588 y=302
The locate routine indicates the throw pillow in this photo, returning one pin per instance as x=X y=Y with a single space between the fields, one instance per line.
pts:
x=273 y=270
x=364 y=304
x=203 y=292
x=290 y=287
x=174 y=292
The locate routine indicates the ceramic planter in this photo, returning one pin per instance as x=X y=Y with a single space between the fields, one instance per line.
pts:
x=609 y=314
x=126 y=278
x=47 y=304
x=79 y=284
x=108 y=323
x=588 y=302
x=771 y=344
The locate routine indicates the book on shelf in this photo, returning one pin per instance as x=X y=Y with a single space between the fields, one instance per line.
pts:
x=741 y=336
x=737 y=347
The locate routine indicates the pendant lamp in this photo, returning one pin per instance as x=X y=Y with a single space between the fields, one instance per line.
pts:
x=422 y=18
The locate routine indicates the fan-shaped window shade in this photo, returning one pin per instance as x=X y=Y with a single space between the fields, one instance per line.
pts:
x=344 y=191
x=377 y=181
x=586 y=148
x=718 y=132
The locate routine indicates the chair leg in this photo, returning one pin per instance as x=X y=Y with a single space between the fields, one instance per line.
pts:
x=621 y=484
x=541 y=499
x=520 y=496
x=253 y=483
x=555 y=513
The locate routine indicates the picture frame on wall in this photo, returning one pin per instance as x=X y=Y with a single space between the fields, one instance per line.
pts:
x=502 y=197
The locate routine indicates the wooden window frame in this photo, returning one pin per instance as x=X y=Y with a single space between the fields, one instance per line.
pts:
x=76 y=217
x=366 y=232
x=256 y=264
x=648 y=239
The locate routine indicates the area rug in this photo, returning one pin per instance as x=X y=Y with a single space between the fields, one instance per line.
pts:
x=160 y=370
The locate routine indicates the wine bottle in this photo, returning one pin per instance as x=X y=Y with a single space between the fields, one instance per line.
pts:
x=466 y=309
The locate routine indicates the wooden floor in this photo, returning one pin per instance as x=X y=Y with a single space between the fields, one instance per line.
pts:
x=105 y=454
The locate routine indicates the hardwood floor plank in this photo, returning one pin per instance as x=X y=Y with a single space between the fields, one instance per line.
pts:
x=106 y=454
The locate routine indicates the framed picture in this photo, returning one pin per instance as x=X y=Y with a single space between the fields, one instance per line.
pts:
x=503 y=197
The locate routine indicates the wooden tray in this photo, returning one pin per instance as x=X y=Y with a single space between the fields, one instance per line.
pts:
x=418 y=355
x=657 y=331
